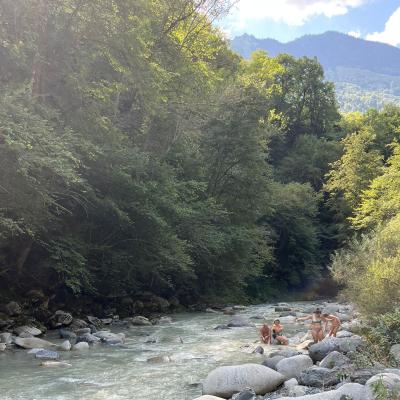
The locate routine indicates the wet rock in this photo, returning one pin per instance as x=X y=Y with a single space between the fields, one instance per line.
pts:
x=287 y=314
x=292 y=367
x=334 y=360
x=108 y=336
x=5 y=337
x=239 y=321
x=65 y=346
x=12 y=309
x=390 y=381
x=51 y=364
x=258 y=350
x=80 y=346
x=47 y=355
x=211 y=311
x=272 y=361
x=83 y=331
x=32 y=343
x=319 y=377
x=257 y=317
x=395 y=352
x=319 y=351
x=61 y=318
x=78 y=324
x=27 y=331
x=219 y=327
x=247 y=394
x=94 y=321
x=285 y=353
x=239 y=307
x=140 y=321
x=228 y=311
x=88 y=338
x=67 y=334
x=3 y=346
x=34 y=351
x=226 y=381
x=164 y=321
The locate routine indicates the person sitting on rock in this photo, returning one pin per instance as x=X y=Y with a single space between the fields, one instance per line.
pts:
x=316 y=325
x=277 y=333
x=265 y=333
x=335 y=323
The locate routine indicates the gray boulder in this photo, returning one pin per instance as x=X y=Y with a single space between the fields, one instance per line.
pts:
x=344 y=334
x=297 y=391
x=5 y=337
x=27 y=331
x=258 y=350
x=390 y=381
x=140 y=321
x=319 y=377
x=32 y=343
x=108 y=336
x=292 y=367
x=319 y=351
x=88 y=338
x=272 y=361
x=362 y=375
x=395 y=352
x=80 y=346
x=350 y=344
x=47 y=355
x=94 y=321
x=65 y=346
x=83 y=331
x=290 y=383
x=335 y=360
x=61 y=318
x=78 y=324
x=285 y=353
x=226 y=381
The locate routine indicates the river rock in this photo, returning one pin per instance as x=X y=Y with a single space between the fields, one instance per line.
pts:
x=3 y=346
x=47 y=354
x=390 y=381
x=293 y=366
x=5 y=337
x=140 y=321
x=290 y=383
x=65 y=346
x=88 y=338
x=83 y=331
x=80 y=346
x=272 y=361
x=285 y=353
x=334 y=360
x=349 y=391
x=94 y=321
x=350 y=344
x=297 y=390
x=32 y=343
x=238 y=321
x=319 y=351
x=344 y=334
x=77 y=324
x=319 y=377
x=395 y=352
x=67 y=334
x=219 y=327
x=61 y=318
x=12 y=309
x=27 y=331
x=352 y=326
x=226 y=381
x=108 y=336
x=258 y=350
x=247 y=394
x=362 y=375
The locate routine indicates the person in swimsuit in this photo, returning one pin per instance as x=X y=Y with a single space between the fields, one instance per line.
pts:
x=265 y=334
x=335 y=323
x=277 y=333
x=316 y=325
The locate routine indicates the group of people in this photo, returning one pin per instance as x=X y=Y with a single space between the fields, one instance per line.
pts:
x=318 y=327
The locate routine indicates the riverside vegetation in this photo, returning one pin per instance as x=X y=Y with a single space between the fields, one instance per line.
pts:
x=145 y=166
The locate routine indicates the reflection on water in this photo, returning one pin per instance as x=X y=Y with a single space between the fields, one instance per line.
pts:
x=113 y=373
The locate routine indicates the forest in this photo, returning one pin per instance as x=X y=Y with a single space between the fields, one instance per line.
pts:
x=140 y=155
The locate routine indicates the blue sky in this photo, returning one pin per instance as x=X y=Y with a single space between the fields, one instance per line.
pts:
x=285 y=20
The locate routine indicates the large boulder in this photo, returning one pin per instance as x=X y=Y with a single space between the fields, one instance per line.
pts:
x=27 y=331
x=386 y=380
x=239 y=321
x=362 y=375
x=139 y=321
x=353 y=326
x=319 y=351
x=352 y=391
x=271 y=362
x=32 y=343
x=395 y=352
x=350 y=344
x=334 y=360
x=292 y=367
x=319 y=377
x=226 y=381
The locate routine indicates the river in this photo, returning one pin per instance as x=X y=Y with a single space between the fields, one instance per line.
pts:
x=123 y=373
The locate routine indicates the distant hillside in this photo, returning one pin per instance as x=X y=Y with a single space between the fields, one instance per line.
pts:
x=366 y=74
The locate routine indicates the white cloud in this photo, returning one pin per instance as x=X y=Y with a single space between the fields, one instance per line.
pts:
x=391 y=33
x=291 y=12
x=355 y=34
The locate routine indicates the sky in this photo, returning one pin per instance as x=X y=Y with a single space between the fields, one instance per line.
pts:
x=285 y=20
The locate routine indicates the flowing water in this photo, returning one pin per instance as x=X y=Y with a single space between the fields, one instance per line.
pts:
x=123 y=373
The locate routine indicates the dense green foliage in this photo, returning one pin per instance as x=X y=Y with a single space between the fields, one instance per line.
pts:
x=362 y=82
x=139 y=154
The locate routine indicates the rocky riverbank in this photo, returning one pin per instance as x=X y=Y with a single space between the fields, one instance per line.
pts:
x=329 y=370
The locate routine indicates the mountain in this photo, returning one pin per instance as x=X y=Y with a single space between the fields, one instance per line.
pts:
x=366 y=74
